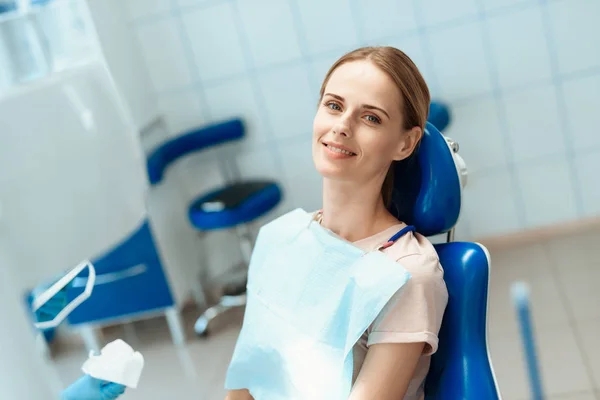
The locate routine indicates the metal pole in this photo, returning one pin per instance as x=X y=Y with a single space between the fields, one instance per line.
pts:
x=520 y=294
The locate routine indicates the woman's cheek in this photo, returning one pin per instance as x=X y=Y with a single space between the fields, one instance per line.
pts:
x=322 y=123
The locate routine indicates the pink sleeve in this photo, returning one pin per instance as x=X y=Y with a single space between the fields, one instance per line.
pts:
x=414 y=314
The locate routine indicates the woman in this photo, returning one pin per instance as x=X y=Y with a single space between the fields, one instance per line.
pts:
x=372 y=112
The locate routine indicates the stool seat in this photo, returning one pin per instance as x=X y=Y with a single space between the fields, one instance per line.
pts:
x=234 y=204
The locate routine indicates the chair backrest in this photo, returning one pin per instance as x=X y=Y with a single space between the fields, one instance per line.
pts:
x=461 y=368
x=427 y=194
x=191 y=141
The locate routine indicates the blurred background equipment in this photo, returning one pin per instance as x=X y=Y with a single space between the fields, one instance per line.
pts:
x=232 y=206
x=526 y=129
x=50 y=304
x=439 y=115
x=73 y=182
x=521 y=299
x=50 y=307
x=23 y=354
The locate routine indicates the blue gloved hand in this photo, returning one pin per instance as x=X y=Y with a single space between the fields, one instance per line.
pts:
x=88 y=388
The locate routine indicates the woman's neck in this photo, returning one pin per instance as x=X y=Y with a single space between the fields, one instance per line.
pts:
x=353 y=211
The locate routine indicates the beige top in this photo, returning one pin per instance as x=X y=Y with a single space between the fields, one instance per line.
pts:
x=414 y=314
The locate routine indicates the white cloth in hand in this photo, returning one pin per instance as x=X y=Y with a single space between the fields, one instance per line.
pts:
x=117 y=363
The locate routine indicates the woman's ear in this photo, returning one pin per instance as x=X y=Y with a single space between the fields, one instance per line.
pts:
x=410 y=140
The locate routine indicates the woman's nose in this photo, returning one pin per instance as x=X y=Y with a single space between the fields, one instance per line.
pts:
x=343 y=127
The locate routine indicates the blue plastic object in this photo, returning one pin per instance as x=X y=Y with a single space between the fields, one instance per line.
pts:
x=439 y=115
x=402 y=232
x=253 y=207
x=195 y=140
x=47 y=312
x=129 y=280
x=427 y=191
x=52 y=307
x=7 y=6
x=461 y=368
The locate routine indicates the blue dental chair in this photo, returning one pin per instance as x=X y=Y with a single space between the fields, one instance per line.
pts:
x=232 y=206
x=427 y=194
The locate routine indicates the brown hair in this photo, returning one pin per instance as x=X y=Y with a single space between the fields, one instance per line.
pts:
x=410 y=82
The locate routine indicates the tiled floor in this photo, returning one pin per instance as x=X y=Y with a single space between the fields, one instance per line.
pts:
x=564 y=275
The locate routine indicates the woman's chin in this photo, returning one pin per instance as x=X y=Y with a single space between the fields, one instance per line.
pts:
x=332 y=171
x=329 y=167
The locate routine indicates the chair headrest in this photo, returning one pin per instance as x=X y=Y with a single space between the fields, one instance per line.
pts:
x=427 y=189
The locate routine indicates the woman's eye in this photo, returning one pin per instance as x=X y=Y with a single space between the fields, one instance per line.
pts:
x=333 y=106
x=373 y=119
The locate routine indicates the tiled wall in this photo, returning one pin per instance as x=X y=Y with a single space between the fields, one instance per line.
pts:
x=522 y=78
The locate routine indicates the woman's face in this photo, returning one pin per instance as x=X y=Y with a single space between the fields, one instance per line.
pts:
x=357 y=131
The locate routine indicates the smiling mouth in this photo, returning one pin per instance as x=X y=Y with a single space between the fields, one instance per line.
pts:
x=338 y=150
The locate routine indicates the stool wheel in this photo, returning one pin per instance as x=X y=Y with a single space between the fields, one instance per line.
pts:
x=201 y=327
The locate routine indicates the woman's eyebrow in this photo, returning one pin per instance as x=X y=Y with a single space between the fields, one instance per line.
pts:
x=340 y=98
x=367 y=106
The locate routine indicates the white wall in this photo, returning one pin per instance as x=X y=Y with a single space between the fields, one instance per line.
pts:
x=125 y=60
x=522 y=77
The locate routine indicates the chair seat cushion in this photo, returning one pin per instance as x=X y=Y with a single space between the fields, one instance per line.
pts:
x=234 y=204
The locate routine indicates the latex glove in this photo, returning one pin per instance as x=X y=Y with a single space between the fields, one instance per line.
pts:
x=88 y=388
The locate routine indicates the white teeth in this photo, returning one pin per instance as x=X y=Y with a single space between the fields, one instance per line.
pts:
x=338 y=150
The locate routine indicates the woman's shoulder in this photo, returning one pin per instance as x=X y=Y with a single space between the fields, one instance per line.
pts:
x=412 y=249
x=412 y=244
x=417 y=255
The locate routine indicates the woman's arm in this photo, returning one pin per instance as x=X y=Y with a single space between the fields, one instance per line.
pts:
x=239 y=395
x=387 y=371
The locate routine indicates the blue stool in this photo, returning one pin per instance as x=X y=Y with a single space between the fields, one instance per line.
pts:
x=232 y=206
x=427 y=194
